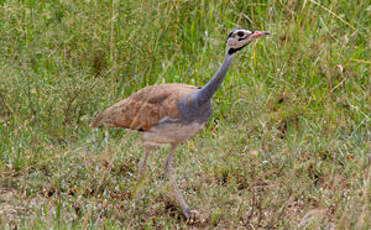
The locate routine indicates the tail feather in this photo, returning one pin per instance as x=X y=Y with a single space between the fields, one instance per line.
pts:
x=97 y=120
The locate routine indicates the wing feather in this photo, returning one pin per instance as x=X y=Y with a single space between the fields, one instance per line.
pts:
x=145 y=108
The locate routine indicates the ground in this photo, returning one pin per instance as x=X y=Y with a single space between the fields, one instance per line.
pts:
x=288 y=144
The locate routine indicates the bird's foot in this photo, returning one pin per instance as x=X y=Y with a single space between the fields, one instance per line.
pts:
x=163 y=174
x=191 y=216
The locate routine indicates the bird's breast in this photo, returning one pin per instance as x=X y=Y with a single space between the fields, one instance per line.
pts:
x=191 y=112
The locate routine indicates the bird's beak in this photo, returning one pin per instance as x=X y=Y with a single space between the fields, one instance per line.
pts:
x=257 y=34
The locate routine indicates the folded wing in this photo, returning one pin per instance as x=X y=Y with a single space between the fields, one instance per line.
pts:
x=145 y=108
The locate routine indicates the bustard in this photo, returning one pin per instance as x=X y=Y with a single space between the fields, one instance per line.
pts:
x=171 y=113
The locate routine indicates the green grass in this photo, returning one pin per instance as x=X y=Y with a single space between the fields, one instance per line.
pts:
x=288 y=145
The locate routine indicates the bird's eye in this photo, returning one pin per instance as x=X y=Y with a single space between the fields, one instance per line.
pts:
x=240 y=33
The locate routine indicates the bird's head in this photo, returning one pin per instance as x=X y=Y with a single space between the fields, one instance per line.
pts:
x=239 y=38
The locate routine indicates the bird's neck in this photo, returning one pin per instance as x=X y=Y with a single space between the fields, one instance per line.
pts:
x=205 y=94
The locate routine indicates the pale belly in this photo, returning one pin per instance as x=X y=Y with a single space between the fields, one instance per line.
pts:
x=171 y=133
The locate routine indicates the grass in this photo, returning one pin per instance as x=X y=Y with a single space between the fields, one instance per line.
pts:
x=288 y=145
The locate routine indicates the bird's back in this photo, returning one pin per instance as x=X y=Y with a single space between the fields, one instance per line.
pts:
x=145 y=108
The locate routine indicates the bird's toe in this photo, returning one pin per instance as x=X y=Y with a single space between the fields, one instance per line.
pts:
x=192 y=216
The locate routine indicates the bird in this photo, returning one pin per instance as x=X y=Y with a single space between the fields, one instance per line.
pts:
x=173 y=112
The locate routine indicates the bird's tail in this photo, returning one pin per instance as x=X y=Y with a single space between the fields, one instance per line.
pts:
x=96 y=122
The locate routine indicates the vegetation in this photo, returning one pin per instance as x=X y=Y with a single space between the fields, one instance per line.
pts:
x=287 y=147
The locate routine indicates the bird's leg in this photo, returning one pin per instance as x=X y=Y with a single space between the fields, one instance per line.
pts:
x=141 y=172
x=143 y=161
x=191 y=215
x=168 y=158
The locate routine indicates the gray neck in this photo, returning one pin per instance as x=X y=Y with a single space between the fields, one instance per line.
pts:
x=205 y=94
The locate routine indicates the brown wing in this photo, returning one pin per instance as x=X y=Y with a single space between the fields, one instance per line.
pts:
x=145 y=108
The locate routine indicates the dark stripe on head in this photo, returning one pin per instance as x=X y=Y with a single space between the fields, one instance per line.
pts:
x=233 y=31
x=229 y=35
x=234 y=50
